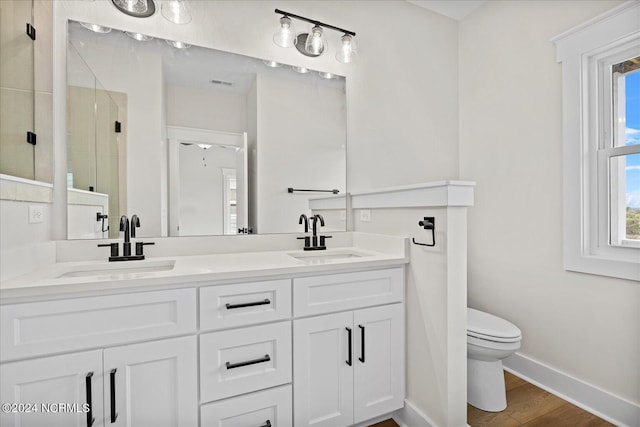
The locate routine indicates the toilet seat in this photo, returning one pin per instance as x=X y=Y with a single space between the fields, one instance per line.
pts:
x=488 y=327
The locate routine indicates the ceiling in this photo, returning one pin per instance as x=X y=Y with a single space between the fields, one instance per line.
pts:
x=456 y=9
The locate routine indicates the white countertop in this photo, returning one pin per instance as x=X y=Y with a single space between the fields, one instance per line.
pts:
x=188 y=271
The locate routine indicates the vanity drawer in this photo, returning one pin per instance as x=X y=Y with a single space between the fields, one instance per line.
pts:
x=347 y=291
x=244 y=304
x=244 y=360
x=39 y=328
x=255 y=409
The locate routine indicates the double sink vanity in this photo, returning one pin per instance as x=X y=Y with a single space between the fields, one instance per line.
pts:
x=267 y=338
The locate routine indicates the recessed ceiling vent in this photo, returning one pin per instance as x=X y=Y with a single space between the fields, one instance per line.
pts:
x=221 y=82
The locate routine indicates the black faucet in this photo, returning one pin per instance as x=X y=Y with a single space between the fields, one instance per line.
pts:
x=304 y=218
x=307 y=239
x=129 y=230
x=313 y=243
x=315 y=219
x=124 y=226
x=135 y=223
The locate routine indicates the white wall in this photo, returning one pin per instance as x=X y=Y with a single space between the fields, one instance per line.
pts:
x=206 y=109
x=511 y=144
x=24 y=246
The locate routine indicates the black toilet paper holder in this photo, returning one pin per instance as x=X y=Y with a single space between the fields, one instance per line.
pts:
x=428 y=223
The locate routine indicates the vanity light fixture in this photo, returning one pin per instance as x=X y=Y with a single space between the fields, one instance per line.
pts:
x=136 y=8
x=313 y=43
x=96 y=28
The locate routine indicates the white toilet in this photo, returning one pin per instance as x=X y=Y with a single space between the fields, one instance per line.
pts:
x=489 y=340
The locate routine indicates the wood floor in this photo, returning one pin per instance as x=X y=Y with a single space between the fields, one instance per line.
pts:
x=529 y=406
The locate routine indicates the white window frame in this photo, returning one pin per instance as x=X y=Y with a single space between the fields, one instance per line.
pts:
x=584 y=53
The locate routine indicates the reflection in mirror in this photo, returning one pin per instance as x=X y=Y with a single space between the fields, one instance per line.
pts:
x=26 y=90
x=210 y=141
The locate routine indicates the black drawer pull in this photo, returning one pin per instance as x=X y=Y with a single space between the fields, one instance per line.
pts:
x=267 y=424
x=112 y=384
x=248 y=304
x=87 y=381
x=266 y=358
x=361 y=358
x=349 y=361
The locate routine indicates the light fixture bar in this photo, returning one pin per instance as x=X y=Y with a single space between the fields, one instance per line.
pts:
x=311 y=21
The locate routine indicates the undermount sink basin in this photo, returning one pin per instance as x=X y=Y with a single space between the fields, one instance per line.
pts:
x=122 y=267
x=318 y=257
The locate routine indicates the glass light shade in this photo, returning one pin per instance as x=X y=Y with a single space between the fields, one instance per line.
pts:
x=301 y=70
x=137 y=8
x=347 y=51
x=139 y=37
x=96 y=28
x=176 y=11
x=315 y=43
x=179 y=45
x=286 y=35
x=326 y=75
x=271 y=64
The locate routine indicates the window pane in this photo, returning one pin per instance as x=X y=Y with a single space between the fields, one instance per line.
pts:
x=625 y=199
x=627 y=102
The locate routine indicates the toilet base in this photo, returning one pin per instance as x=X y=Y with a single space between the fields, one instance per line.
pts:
x=485 y=385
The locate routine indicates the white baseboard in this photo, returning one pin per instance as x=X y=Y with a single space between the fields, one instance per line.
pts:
x=410 y=416
x=586 y=396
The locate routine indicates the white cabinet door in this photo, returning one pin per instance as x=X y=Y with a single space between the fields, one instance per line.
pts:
x=322 y=376
x=378 y=361
x=56 y=387
x=154 y=383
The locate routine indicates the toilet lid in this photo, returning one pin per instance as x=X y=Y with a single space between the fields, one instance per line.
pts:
x=493 y=328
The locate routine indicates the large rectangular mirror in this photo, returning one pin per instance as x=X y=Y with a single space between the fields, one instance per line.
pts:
x=197 y=141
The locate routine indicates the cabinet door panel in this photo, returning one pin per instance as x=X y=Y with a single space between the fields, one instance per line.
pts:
x=155 y=383
x=378 y=361
x=53 y=380
x=323 y=381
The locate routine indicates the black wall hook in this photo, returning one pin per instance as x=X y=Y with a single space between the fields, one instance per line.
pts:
x=428 y=223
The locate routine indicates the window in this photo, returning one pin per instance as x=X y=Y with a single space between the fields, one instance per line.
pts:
x=601 y=144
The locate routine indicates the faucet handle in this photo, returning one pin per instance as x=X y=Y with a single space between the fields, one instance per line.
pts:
x=322 y=243
x=140 y=247
x=307 y=241
x=113 y=246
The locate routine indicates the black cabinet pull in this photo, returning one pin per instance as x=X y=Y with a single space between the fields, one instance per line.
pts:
x=361 y=358
x=267 y=424
x=87 y=382
x=248 y=304
x=230 y=365
x=112 y=384
x=349 y=361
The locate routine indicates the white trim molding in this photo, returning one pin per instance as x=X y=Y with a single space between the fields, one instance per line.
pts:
x=25 y=190
x=410 y=416
x=586 y=396
x=585 y=196
x=429 y=194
